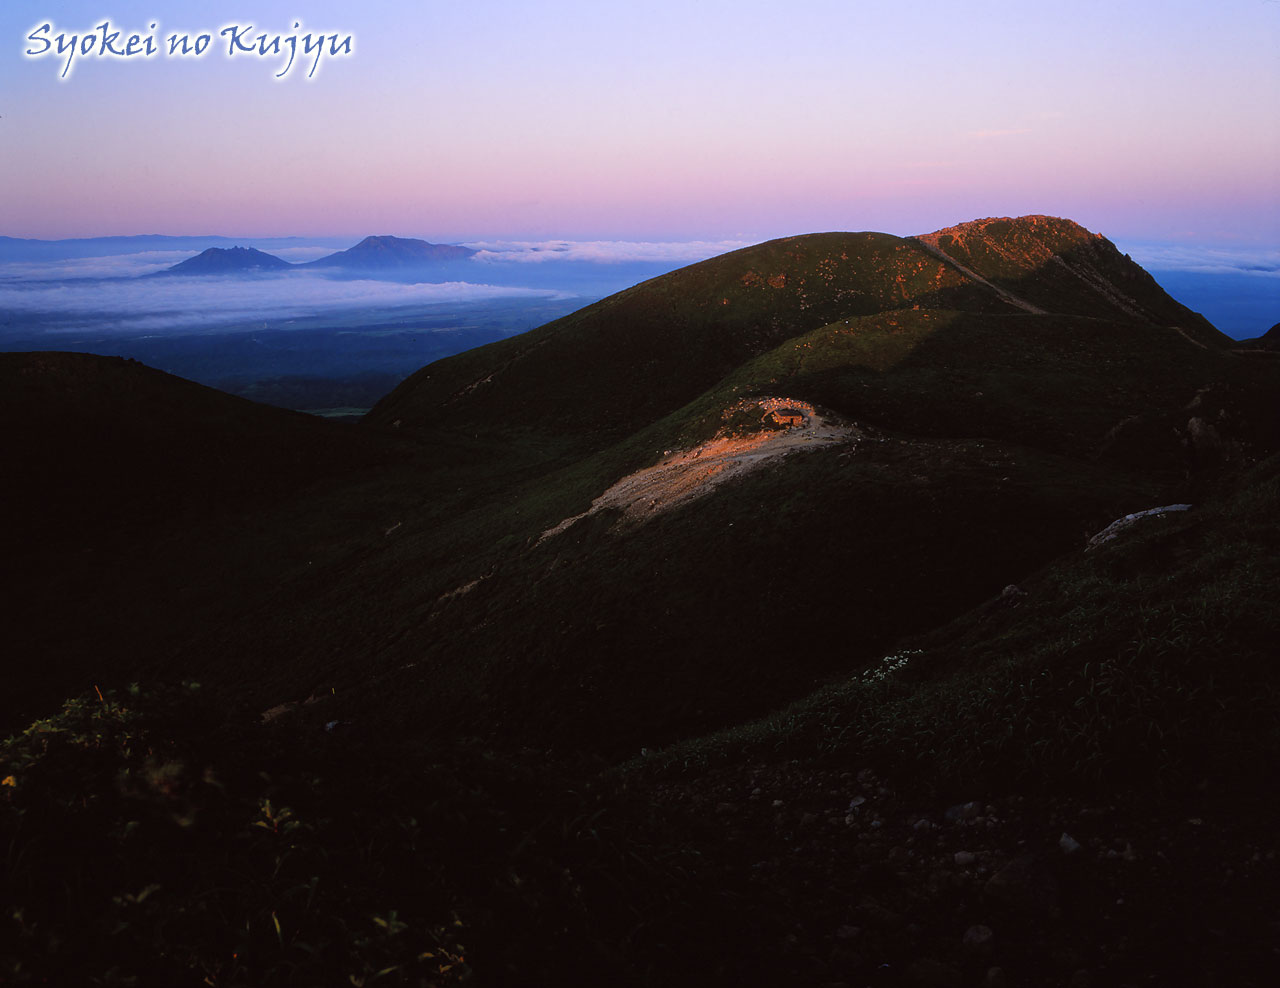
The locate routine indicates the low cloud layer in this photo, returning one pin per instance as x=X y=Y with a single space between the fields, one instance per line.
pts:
x=130 y=265
x=601 y=251
x=113 y=266
x=187 y=304
x=1263 y=261
x=300 y=255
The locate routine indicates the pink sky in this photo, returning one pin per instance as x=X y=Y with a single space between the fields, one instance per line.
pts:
x=655 y=120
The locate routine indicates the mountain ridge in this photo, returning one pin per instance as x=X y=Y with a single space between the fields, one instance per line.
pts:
x=719 y=312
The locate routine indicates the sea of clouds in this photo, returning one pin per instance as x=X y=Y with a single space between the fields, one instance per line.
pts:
x=110 y=294
x=602 y=251
x=1264 y=261
x=141 y=305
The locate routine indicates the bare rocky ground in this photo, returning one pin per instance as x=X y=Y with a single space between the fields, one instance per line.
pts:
x=681 y=476
x=876 y=887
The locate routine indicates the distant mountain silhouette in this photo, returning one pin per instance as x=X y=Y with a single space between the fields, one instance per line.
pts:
x=232 y=260
x=381 y=253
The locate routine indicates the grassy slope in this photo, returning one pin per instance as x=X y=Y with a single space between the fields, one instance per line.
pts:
x=201 y=846
x=986 y=487
x=1116 y=665
x=593 y=643
x=837 y=533
x=1060 y=383
x=617 y=365
x=1060 y=267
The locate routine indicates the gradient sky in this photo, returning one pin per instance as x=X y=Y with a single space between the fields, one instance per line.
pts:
x=654 y=120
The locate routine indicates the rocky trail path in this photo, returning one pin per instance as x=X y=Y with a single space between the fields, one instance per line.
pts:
x=1004 y=294
x=685 y=475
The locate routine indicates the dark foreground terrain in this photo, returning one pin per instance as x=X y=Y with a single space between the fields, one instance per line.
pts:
x=760 y=624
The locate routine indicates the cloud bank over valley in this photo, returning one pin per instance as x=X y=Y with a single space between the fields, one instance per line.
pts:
x=1263 y=261
x=190 y=304
x=46 y=289
x=675 y=253
x=110 y=266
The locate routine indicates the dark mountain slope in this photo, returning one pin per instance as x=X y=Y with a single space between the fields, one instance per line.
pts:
x=232 y=260
x=615 y=634
x=959 y=790
x=740 y=599
x=1093 y=756
x=1145 y=656
x=139 y=505
x=111 y=440
x=818 y=561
